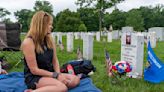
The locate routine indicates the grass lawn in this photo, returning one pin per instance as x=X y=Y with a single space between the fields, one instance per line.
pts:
x=100 y=78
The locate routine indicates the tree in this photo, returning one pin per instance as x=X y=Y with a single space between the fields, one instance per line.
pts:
x=101 y=6
x=147 y=14
x=68 y=21
x=3 y=14
x=89 y=18
x=24 y=18
x=116 y=19
x=153 y=16
x=7 y=20
x=135 y=19
x=158 y=16
x=82 y=28
x=43 y=5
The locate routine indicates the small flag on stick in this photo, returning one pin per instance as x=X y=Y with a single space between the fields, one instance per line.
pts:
x=61 y=45
x=108 y=63
x=79 y=54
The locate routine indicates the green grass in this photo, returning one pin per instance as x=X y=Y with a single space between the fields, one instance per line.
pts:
x=100 y=78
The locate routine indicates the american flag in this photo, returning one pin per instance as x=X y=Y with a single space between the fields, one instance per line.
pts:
x=108 y=63
x=79 y=54
x=61 y=45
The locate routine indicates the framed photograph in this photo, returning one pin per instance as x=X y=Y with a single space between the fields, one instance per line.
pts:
x=128 y=39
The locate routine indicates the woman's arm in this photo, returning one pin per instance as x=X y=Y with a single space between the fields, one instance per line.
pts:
x=28 y=49
x=55 y=61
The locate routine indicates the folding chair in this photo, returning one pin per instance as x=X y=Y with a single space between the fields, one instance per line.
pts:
x=9 y=41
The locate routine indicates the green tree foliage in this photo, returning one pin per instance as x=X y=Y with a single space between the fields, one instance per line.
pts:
x=100 y=5
x=68 y=21
x=89 y=18
x=82 y=28
x=116 y=19
x=153 y=16
x=43 y=5
x=24 y=18
x=135 y=19
x=158 y=16
x=147 y=15
x=93 y=14
x=7 y=20
x=3 y=14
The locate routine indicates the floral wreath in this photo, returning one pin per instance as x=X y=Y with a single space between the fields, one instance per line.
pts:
x=121 y=67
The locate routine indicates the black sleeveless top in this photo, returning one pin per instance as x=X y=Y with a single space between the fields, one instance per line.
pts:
x=44 y=61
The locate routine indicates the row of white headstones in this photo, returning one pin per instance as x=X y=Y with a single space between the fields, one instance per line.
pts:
x=87 y=37
x=132 y=46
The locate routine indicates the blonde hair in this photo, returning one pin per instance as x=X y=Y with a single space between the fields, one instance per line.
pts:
x=39 y=31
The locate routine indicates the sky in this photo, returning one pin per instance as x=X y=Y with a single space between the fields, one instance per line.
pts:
x=59 y=5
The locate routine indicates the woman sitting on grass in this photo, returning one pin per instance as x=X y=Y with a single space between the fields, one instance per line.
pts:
x=42 y=71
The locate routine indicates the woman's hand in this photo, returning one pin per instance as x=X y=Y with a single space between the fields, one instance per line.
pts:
x=62 y=78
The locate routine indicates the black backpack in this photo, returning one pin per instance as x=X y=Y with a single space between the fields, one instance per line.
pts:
x=80 y=67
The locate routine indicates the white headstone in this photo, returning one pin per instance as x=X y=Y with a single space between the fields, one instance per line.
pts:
x=77 y=35
x=109 y=36
x=53 y=36
x=105 y=29
x=88 y=47
x=70 y=42
x=115 y=34
x=91 y=33
x=132 y=51
x=82 y=35
x=64 y=33
x=120 y=34
x=153 y=39
x=145 y=36
x=59 y=37
x=104 y=33
x=127 y=29
x=110 y=28
x=159 y=32
x=97 y=36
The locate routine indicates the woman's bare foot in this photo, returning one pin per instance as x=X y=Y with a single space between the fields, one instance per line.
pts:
x=28 y=90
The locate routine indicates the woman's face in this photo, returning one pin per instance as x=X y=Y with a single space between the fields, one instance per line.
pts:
x=50 y=27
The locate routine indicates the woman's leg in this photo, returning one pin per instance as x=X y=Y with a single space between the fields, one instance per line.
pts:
x=46 y=84
x=73 y=80
x=49 y=89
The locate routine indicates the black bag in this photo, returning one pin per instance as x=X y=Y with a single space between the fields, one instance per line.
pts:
x=80 y=67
